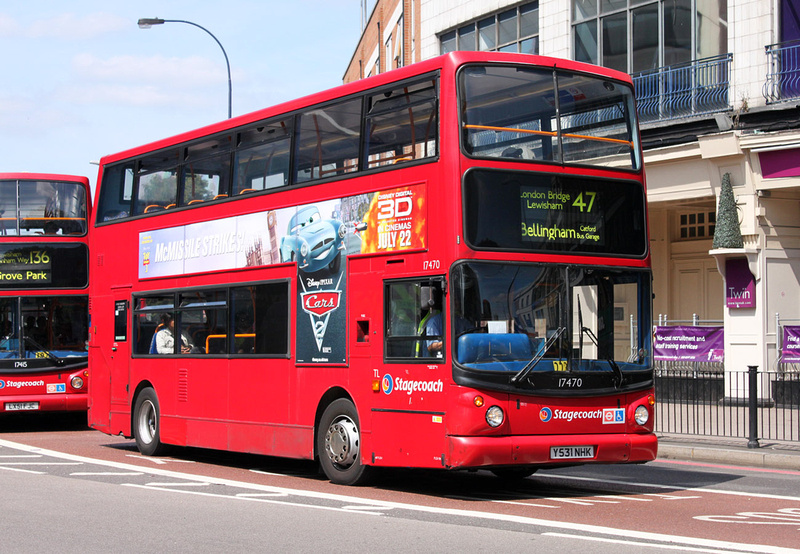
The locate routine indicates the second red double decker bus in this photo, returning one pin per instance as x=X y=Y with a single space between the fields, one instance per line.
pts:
x=443 y=266
x=44 y=282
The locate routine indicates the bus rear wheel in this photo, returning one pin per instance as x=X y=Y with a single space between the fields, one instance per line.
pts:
x=146 y=423
x=339 y=444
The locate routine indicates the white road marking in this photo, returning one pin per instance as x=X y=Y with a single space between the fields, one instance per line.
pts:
x=521 y=520
x=180 y=484
x=23 y=470
x=106 y=473
x=630 y=544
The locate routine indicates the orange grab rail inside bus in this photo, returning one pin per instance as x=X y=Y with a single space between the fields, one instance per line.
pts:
x=237 y=335
x=547 y=133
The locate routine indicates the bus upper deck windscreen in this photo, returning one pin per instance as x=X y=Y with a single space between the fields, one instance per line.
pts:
x=546 y=115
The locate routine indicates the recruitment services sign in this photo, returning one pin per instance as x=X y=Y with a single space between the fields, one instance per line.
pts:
x=689 y=343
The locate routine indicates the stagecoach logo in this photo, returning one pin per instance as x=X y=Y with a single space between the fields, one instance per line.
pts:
x=410 y=386
x=387 y=384
x=21 y=384
x=606 y=415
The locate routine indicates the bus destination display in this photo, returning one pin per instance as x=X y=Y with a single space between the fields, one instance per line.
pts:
x=37 y=265
x=561 y=216
x=25 y=266
x=541 y=212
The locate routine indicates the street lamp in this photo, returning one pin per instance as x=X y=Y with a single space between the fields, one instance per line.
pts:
x=146 y=23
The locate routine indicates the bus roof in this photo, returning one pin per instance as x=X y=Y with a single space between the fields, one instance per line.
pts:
x=450 y=61
x=28 y=176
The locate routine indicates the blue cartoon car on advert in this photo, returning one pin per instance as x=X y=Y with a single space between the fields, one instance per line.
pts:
x=312 y=241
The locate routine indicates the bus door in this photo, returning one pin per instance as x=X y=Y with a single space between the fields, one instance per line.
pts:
x=411 y=395
x=364 y=311
x=120 y=352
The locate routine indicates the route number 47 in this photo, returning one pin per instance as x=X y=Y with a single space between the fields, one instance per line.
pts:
x=581 y=202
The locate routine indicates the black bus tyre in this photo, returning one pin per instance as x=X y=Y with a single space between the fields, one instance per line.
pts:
x=339 y=444
x=147 y=424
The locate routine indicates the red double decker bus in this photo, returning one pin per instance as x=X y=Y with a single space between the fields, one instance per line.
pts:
x=443 y=266
x=44 y=284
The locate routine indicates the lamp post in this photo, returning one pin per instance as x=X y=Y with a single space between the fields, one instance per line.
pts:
x=146 y=23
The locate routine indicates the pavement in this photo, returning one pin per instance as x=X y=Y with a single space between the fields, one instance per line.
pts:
x=729 y=451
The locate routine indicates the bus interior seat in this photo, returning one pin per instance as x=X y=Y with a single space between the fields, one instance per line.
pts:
x=481 y=347
x=153 y=348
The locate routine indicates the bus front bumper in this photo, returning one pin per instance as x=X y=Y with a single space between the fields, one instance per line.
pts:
x=69 y=402
x=473 y=452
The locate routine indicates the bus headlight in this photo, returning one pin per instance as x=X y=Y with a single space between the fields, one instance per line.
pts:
x=77 y=382
x=495 y=416
x=641 y=415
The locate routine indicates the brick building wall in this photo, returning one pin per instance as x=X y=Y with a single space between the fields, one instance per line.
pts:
x=389 y=40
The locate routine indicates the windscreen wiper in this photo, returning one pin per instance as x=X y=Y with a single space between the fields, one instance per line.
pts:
x=522 y=373
x=618 y=376
x=39 y=347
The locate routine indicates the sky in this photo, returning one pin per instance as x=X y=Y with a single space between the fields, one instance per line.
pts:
x=82 y=80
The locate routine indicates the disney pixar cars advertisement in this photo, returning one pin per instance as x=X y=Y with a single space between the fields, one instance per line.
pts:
x=317 y=237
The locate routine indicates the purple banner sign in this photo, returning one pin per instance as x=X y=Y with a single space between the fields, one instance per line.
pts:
x=740 y=285
x=790 y=348
x=687 y=343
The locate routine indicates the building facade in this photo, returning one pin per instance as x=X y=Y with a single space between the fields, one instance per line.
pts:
x=718 y=92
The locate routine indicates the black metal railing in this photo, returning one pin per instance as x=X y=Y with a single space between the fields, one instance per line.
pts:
x=694 y=88
x=783 y=77
x=734 y=404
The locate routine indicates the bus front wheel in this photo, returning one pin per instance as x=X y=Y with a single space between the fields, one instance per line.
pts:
x=146 y=423
x=339 y=444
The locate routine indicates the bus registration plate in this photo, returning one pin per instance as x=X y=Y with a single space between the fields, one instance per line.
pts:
x=571 y=452
x=19 y=406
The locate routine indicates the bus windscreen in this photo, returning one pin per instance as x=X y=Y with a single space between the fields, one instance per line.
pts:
x=542 y=115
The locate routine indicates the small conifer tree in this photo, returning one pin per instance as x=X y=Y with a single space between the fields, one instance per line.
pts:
x=727 y=233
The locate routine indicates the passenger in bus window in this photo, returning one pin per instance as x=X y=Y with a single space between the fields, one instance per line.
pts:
x=8 y=338
x=165 y=338
x=245 y=332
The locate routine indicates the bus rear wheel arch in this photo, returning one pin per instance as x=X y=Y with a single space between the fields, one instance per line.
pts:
x=339 y=444
x=147 y=423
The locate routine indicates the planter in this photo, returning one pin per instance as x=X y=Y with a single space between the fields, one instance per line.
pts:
x=786 y=393
x=700 y=389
